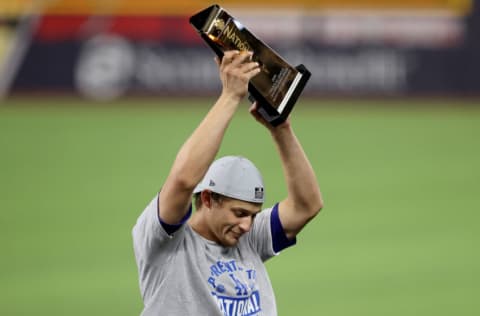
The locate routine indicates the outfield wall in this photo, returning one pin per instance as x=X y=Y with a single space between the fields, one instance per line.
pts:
x=352 y=48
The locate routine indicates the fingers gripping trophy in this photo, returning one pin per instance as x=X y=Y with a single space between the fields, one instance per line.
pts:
x=278 y=85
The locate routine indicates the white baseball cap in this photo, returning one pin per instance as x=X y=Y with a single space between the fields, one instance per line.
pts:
x=235 y=177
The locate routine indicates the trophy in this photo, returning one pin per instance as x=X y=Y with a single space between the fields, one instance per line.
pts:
x=278 y=85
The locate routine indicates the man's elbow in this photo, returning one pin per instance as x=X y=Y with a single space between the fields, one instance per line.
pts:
x=316 y=205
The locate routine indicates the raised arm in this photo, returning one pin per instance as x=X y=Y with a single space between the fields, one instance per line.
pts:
x=200 y=149
x=304 y=199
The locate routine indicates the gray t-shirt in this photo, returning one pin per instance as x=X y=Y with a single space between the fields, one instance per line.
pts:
x=186 y=274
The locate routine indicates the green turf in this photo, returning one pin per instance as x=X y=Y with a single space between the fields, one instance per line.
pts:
x=399 y=234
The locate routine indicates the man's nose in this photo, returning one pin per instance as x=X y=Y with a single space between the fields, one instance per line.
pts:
x=246 y=223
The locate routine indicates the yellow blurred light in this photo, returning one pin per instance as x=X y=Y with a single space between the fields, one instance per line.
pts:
x=186 y=7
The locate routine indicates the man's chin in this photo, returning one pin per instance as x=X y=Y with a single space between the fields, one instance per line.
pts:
x=230 y=241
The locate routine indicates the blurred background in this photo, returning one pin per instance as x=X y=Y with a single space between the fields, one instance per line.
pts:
x=96 y=97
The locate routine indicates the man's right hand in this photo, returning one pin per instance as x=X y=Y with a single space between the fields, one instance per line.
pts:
x=236 y=70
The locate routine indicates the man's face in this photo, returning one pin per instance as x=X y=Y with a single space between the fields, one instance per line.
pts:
x=230 y=219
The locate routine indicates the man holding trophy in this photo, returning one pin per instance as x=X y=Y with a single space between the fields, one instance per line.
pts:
x=211 y=261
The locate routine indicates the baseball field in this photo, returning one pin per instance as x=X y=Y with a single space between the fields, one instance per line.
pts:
x=399 y=234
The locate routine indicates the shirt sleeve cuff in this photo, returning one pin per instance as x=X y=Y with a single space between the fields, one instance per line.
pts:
x=279 y=239
x=169 y=228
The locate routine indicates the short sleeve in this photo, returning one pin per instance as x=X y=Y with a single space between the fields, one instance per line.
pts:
x=153 y=247
x=148 y=226
x=150 y=235
x=279 y=238
x=267 y=236
x=169 y=228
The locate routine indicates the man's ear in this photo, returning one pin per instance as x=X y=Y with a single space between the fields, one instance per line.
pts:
x=206 y=198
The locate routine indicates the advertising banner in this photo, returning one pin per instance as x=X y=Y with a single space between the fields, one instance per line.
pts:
x=349 y=52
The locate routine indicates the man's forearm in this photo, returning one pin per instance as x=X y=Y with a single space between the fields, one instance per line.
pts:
x=302 y=186
x=200 y=149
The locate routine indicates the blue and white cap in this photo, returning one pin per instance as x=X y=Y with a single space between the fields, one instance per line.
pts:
x=235 y=177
